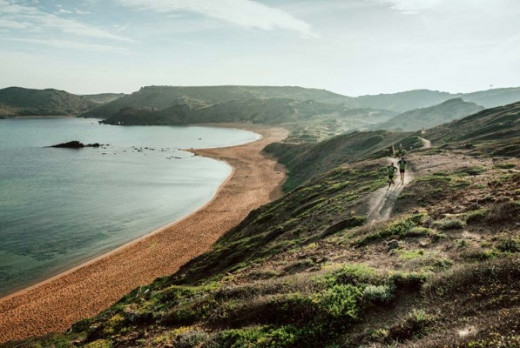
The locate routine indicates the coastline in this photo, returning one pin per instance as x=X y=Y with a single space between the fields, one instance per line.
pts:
x=83 y=291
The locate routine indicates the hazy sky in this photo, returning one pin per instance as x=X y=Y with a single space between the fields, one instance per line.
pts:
x=352 y=47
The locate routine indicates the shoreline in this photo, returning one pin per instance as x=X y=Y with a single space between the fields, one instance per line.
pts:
x=83 y=291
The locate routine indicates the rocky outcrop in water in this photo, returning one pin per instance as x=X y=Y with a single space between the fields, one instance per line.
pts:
x=75 y=145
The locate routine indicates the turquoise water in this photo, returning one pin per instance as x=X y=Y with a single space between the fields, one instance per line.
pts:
x=60 y=207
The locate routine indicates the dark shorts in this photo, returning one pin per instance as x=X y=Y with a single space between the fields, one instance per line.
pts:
x=390 y=177
x=401 y=170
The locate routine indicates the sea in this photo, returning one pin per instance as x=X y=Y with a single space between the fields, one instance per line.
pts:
x=61 y=207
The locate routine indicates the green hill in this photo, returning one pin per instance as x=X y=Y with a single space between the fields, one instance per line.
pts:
x=314 y=269
x=432 y=116
x=265 y=111
x=16 y=101
x=162 y=97
x=493 y=131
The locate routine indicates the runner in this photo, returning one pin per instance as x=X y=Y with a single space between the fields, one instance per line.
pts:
x=391 y=172
x=402 y=167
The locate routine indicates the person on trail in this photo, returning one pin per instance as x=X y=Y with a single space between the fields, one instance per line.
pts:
x=391 y=172
x=402 y=167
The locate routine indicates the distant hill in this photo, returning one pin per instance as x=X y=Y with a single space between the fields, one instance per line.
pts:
x=493 y=97
x=493 y=131
x=103 y=98
x=169 y=99
x=267 y=111
x=162 y=97
x=16 y=101
x=405 y=101
x=432 y=116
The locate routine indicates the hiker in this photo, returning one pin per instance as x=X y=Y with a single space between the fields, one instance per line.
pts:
x=402 y=167
x=391 y=173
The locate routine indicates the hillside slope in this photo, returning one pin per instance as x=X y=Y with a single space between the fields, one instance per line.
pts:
x=492 y=131
x=432 y=116
x=304 y=161
x=16 y=101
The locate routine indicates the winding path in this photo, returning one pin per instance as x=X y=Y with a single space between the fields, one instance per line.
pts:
x=382 y=201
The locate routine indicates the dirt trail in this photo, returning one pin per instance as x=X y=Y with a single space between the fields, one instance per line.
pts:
x=426 y=143
x=382 y=201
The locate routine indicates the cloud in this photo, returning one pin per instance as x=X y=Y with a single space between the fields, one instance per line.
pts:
x=35 y=19
x=81 y=12
x=66 y=44
x=244 y=13
x=410 y=6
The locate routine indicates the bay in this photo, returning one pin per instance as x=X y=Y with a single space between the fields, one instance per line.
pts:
x=61 y=207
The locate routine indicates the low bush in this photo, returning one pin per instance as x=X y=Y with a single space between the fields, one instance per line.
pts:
x=509 y=246
x=475 y=215
x=378 y=294
x=449 y=224
x=413 y=326
x=507 y=212
x=398 y=228
x=477 y=170
x=505 y=165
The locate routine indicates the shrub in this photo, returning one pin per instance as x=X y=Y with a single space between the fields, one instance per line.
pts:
x=339 y=301
x=414 y=326
x=398 y=228
x=351 y=274
x=419 y=231
x=258 y=337
x=475 y=215
x=505 y=165
x=503 y=213
x=449 y=224
x=473 y=170
x=99 y=344
x=435 y=236
x=509 y=245
x=412 y=280
x=410 y=254
x=378 y=294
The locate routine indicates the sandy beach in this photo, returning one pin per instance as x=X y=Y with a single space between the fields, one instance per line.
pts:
x=84 y=291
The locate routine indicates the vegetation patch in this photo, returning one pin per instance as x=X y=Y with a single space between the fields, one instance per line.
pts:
x=399 y=228
x=449 y=223
x=505 y=165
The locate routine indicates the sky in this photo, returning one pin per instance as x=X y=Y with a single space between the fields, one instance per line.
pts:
x=352 y=47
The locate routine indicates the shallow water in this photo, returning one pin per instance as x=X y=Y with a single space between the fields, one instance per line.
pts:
x=60 y=207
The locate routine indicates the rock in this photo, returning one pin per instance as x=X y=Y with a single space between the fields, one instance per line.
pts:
x=75 y=145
